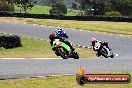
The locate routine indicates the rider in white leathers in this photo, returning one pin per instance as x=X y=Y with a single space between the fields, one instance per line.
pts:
x=97 y=45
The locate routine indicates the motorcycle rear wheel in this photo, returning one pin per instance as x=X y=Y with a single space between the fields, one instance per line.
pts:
x=75 y=55
x=103 y=53
x=63 y=54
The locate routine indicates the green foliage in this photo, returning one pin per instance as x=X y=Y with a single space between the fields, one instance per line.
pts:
x=81 y=13
x=82 y=4
x=58 y=8
x=75 y=5
x=92 y=7
x=37 y=9
x=113 y=13
x=122 y=6
x=6 y=6
x=102 y=6
x=24 y=5
x=73 y=12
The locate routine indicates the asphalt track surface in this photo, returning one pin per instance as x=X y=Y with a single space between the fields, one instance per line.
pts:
x=33 y=68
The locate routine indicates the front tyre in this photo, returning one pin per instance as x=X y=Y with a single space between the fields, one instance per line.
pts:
x=112 y=56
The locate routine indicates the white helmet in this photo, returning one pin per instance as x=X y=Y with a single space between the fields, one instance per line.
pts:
x=58 y=28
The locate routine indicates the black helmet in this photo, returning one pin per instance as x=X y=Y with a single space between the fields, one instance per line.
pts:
x=51 y=36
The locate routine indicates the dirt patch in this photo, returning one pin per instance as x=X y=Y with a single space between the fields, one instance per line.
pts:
x=10 y=20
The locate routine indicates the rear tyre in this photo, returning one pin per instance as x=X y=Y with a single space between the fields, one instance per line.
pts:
x=57 y=53
x=103 y=53
x=98 y=54
x=63 y=54
x=75 y=55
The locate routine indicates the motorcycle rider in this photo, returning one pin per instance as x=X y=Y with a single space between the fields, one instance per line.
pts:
x=59 y=31
x=60 y=34
x=95 y=44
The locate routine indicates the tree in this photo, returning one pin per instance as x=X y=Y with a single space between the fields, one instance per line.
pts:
x=58 y=8
x=99 y=7
x=122 y=6
x=24 y=4
x=86 y=6
x=6 y=5
x=75 y=5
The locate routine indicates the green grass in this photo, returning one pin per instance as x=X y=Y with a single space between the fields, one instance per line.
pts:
x=45 y=10
x=40 y=10
x=36 y=9
x=31 y=48
x=38 y=49
x=124 y=28
x=56 y=82
x=72 y=12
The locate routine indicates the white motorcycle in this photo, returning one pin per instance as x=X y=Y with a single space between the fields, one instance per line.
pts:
x=103 y=51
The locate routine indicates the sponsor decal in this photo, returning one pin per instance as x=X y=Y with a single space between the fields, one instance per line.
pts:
x=83 y=78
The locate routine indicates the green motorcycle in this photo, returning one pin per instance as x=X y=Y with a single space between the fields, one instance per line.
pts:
x=63 y=50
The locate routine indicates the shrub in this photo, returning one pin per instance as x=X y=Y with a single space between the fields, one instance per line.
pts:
x=113 y=13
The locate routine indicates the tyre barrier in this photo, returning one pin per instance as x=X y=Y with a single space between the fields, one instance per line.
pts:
x=11 y=41
x=61 y=17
